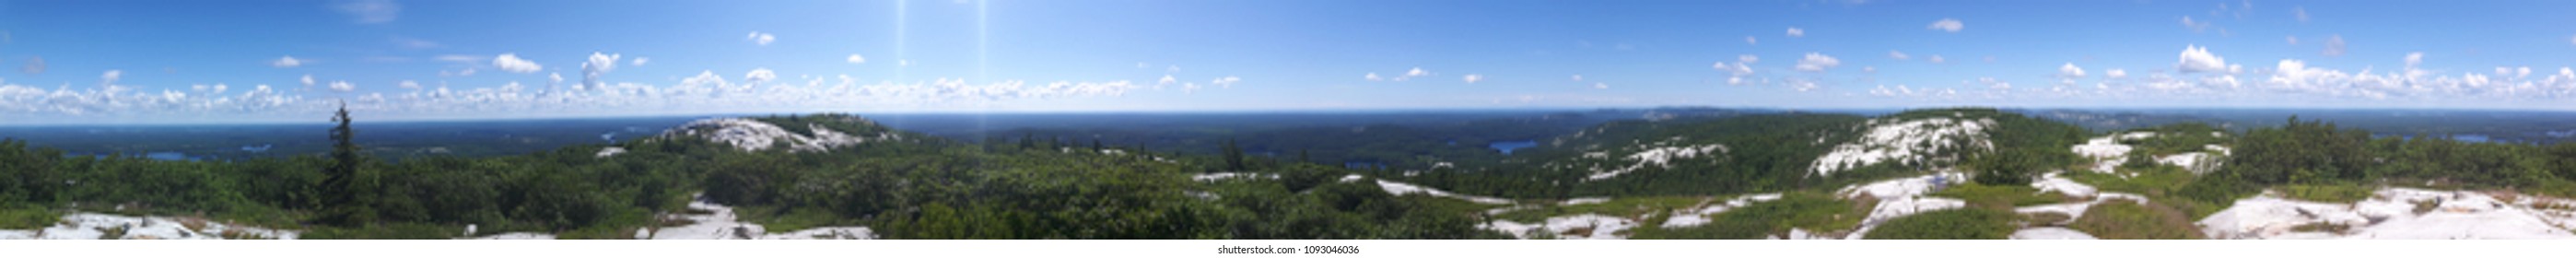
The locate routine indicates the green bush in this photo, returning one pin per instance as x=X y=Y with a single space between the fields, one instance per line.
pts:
x=1964 y=223
x=2120 y=219
x=2000 y=197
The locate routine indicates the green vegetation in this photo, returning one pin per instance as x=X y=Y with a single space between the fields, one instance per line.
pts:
x=2122 y=219
x=1968 y=223
x=2325 y=193
x=2000 y=196
x=1814 y=212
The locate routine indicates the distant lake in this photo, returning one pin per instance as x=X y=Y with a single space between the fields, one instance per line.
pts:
x=1508 y=146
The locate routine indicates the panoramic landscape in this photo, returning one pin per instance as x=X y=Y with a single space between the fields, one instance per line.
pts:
x=1262 y=120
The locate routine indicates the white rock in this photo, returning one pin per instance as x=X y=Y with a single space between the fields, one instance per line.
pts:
x=1906 y=141
x=2051 y=233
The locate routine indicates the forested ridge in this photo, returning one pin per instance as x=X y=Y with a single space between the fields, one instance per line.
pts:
x=916 y=186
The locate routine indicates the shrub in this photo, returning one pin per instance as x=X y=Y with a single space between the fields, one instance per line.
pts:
x=2120 y=219
x=1964 y=223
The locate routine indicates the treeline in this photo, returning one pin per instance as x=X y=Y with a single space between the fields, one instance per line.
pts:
x=2320 y=153
x=919 y=188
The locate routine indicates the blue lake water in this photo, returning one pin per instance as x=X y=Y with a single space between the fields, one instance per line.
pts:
x=1508 y=146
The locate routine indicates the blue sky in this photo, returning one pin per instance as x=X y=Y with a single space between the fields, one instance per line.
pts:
x=121 y=61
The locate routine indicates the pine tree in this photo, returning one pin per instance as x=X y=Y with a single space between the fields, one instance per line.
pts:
x=1233 y=155
x=1095 y=144
x=338 y=179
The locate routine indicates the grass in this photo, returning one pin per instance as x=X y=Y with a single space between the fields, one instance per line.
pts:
x=28 y=218
x=2326 y=193
x=1965 y=223
x=2002 y=197
x=2157 y=180
x=2130 y=220
x=1813 y=211
x=773 y=220
x=1619 y=207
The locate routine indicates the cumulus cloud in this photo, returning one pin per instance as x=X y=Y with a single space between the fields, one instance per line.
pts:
x=1167 y=80
x=639 y=61
x=1899 y=55
x=343 y=86
x=1369 y=77
x=510 y=62
x=1472 y=78
x=2070 y=71
x=1948 y=25
x=856 y=59
x=2334 y=46
x=307 y=80
x=2197 y=59
x=408 y=84
x=288 y=61
x=1817 y=62
x=110 y=77
x=2115 y=73
x=1795 y=32
x=763 y=39
x=369 y=11
x=758 y=75
x=599 y=64
x=2414 y=58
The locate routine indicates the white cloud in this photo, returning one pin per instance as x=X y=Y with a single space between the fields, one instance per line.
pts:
x=2414 y=58
x=1899 y=55
x=370 y=11
x=1416 y=72
x=459 y=58
x=2197 y=59
x=1597 y=85
x=1747 y=58
x=1227 y=82
x=1472 y=78
x=2070 y=71
x=1369 y=77
x=1795 y=32
x=1748 y=40
x=1937 y=59
x=2115 y=73
x=409 y=84
x=510 y=62
x=763 y=39
x=35 y=65
x=288 y=61
x=2294 y=40
x=1167 y=80
x=758 y=75
x=639 y=61
x=343 y=86
x=1948 y=24
x=2334 y=46
x=413 y=43
x=2195 y=26
x=856 y=59
x=1578 y=77
x=2301 y=12
x=1817 y=62
x=599 y=64
x=110 y=77
x=308 y=80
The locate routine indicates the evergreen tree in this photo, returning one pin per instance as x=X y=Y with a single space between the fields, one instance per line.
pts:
x=339 y=178
x=1095 y=144
x=1233 y=155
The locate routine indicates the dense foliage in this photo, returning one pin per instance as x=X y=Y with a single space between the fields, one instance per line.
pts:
x=918 y=187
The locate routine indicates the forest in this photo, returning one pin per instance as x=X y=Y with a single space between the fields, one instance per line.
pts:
x=1051 y=187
